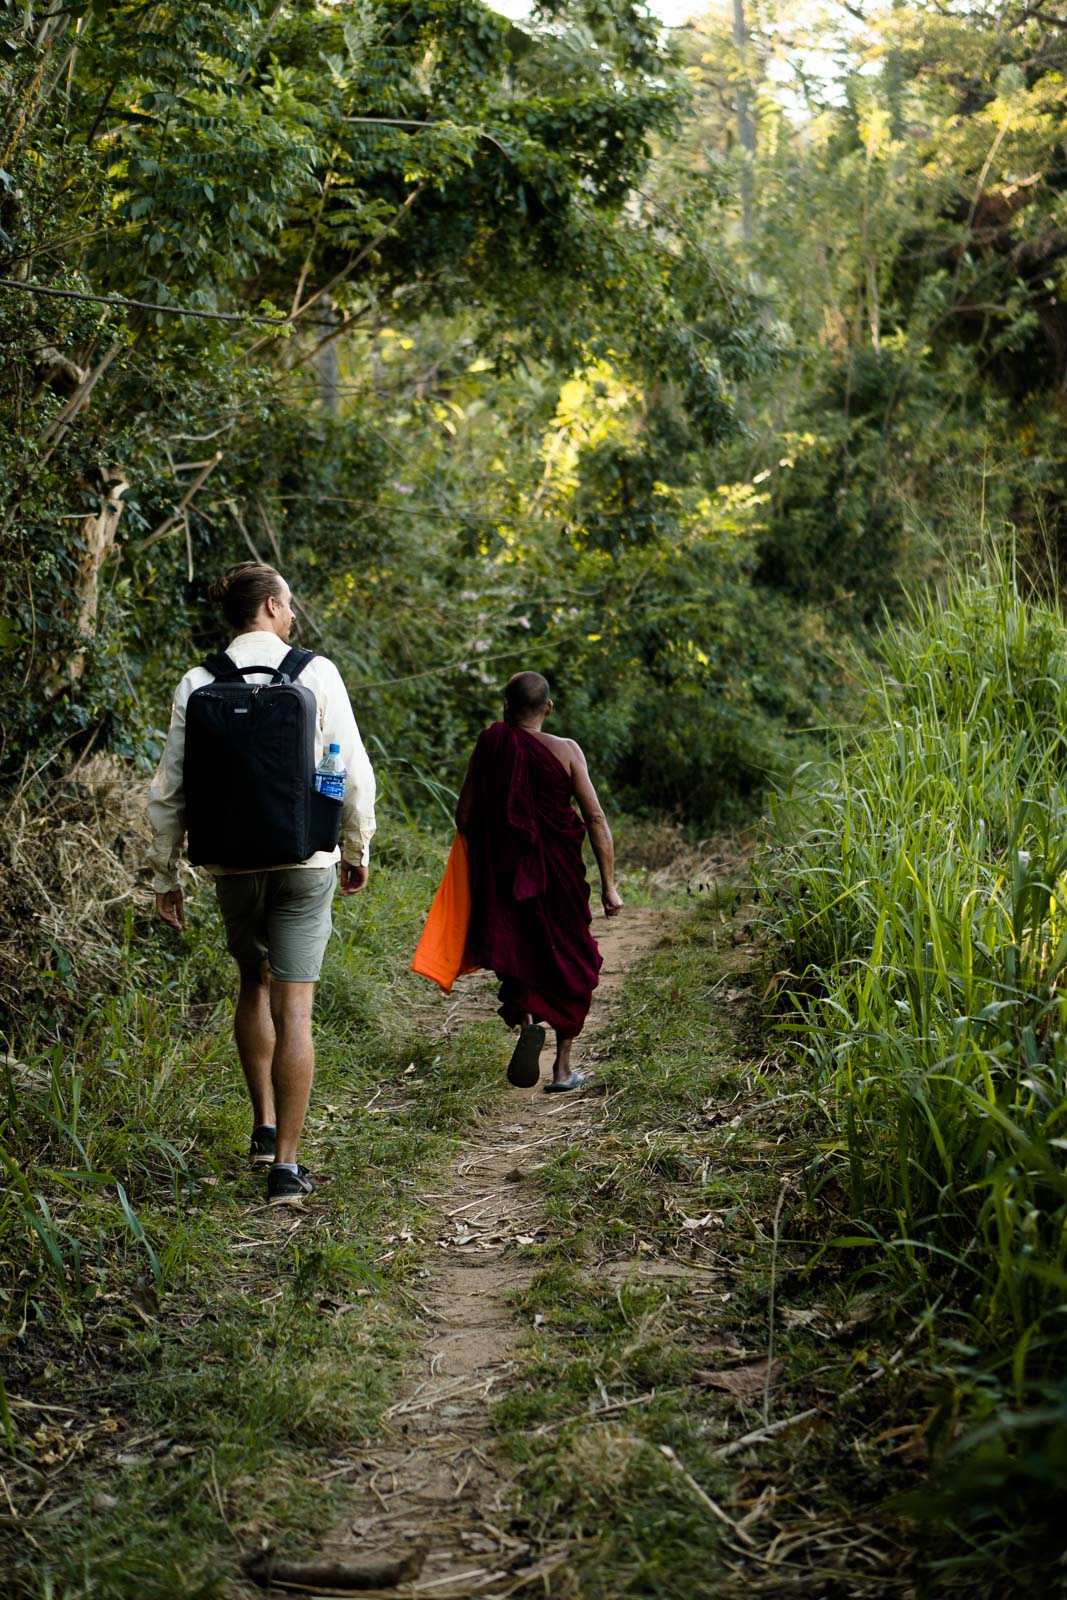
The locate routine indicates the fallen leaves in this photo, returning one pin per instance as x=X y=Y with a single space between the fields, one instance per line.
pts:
x=711 y=1219
x=144 y=1300
x=803 y=1316
x=724 y=1347
x=467 y=1238
x=750 y=1379
x=397 y=1240
x=53 y=1445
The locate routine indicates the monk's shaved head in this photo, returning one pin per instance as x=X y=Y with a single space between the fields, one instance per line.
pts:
x=526 y=694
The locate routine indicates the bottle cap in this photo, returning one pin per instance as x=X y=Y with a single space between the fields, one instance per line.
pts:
x=335 y=749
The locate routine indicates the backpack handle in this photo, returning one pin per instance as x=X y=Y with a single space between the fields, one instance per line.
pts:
x=288 y=670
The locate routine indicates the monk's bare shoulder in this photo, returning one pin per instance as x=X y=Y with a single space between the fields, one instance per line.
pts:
x=575 y=757
x=566 y=751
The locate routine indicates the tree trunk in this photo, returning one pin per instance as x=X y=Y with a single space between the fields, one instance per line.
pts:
x=98 y=534
x=58 y=426
x=327 y=358
x=746 y=128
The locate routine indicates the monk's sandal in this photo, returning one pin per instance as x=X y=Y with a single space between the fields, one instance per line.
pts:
x=577 y=1080
x=286 y=1188
x=524 y=1068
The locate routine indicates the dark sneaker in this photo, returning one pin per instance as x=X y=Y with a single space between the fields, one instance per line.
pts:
x=286 y=1188
x=261 y=1150
x=524 y=1068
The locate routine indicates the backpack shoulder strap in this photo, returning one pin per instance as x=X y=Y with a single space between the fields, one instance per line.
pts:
x=220 y=665
x=294 y=663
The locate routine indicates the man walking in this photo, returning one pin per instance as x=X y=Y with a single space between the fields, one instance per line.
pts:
x=278 y=915
x=530 y=918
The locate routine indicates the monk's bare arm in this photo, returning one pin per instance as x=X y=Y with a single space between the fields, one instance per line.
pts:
x=465 y=803
x=599 y=832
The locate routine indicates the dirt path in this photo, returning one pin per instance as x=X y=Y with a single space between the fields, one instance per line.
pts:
x=433 y=1480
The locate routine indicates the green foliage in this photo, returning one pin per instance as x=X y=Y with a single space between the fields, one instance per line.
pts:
x=456 y=221
x=903 y=207
x=378 y=174
x=919 y=882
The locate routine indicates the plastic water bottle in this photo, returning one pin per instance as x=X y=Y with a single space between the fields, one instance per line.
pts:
x=330 y=774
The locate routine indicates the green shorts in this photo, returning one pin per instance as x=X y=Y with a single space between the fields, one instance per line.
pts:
x=282 y=917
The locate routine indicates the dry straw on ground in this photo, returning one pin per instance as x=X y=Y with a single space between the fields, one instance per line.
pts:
x=71 y=844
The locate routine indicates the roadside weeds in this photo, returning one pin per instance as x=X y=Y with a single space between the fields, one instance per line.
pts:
x=701 y=1411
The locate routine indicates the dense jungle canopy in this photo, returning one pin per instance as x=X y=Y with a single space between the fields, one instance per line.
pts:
x=659 y=360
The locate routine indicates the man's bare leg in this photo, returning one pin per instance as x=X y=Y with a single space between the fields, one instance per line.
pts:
x=293 y=1065
x=253 y=1032
x=561 y=1067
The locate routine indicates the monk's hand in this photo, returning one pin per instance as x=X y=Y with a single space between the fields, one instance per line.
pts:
x=171 y=908
x=611 y=900
x=353 y=879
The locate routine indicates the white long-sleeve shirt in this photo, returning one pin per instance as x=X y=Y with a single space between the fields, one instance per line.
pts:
x=335 y=724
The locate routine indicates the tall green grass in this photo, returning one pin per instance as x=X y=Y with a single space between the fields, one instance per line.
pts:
x=920 y=881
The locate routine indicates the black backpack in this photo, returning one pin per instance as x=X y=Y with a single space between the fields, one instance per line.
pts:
x=249 y=772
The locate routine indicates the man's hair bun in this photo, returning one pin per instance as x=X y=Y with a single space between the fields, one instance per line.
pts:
x=242 y=589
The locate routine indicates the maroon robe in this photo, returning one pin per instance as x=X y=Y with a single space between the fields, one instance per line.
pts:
x=530 y=912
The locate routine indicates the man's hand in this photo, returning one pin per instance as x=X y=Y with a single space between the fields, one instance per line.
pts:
x=353 y=879
x=611 y=900
x=171 y=907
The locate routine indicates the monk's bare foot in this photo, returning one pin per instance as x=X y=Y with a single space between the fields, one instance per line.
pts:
x=561 y=1067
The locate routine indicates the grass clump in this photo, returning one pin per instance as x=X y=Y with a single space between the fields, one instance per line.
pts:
x=603 y=1392
x=920 y=881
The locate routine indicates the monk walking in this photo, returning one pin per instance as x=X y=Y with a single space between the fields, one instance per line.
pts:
x=530 y=918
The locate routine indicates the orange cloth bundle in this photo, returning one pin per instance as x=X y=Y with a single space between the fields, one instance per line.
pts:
x=442 y=948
